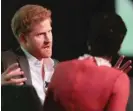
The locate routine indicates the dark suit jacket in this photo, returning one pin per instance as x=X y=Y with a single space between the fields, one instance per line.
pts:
x=9 y=57
x=81 y=85
x=19 y=98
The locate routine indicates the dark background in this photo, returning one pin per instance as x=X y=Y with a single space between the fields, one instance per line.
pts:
x=70 y=24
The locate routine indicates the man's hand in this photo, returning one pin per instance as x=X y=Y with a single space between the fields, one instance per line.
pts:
x=10 y=76
x=126 y=67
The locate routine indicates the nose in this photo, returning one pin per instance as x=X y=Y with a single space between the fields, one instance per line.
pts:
x=47 y=38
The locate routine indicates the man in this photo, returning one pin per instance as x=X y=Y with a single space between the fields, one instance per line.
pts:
x=31 y=63
x=91 y=84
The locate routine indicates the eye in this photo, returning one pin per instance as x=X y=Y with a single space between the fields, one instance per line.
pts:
x=40 y=34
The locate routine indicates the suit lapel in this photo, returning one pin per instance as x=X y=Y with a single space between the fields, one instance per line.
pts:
x=24 y=66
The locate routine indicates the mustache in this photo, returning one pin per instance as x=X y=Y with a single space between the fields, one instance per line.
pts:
x=47 y=46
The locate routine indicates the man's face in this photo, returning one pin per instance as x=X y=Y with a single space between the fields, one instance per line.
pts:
x=39 y=40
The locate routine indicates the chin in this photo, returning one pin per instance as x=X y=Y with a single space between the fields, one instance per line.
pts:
x=47 y=55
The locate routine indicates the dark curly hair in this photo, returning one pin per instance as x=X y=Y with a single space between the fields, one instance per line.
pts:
x=107 y=34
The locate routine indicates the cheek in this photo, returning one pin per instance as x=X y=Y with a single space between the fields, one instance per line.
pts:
x=35 y=43
x=51 y=37
x=39 y=42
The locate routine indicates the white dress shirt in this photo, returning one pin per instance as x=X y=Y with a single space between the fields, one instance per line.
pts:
x=36 y=73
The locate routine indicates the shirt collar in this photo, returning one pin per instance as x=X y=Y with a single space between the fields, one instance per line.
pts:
x=47 y=61
x=99 y=60
x=102 y=62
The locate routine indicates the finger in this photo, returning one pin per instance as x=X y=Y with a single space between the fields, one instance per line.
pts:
x=118 y=63
x=128 y=69
x=15 y=74
x=12 y=67
x=14 y=71
x=127 y=64
x=20 y=84
x=16 y=81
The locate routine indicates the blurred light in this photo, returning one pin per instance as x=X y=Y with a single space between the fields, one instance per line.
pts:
x=125 y=9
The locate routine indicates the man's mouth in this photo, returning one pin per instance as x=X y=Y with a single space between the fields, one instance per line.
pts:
x=46 y=47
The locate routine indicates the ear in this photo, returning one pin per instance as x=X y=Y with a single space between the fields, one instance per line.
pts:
x=22 y=38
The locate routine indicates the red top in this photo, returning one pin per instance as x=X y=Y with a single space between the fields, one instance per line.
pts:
x=81 y=85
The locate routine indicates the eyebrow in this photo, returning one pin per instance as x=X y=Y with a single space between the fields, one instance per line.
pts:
x=36 y=33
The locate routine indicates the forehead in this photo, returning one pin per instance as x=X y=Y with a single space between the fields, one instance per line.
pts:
x=43 y=26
